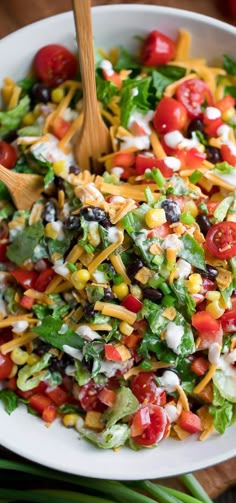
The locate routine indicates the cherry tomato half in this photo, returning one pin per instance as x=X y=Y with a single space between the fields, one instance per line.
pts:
x=54 y=64
x=8 y=155
x=221 y=240
x=228 y=321
x=145 y=389
x=158 y=49
x=228 y=155
x=158 y=428
x=193 y=93
x=60 y=127
x=6 y=366
x=170 y=115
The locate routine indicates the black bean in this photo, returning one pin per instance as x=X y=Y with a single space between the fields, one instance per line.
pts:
x=72 y=223
x=204 y=223
x=89 y=311
x=210 y=272
x=213 y=154
x=195 y=125
x=49 y=212
x=74 y=170
x=134 y=267
x=11 y=136
x=56 y=365
x=172 y=210
x=41 y=92
x=93 y=213
x=108 y=294
x=59 y=182
x=152 y=294
x=42 y=348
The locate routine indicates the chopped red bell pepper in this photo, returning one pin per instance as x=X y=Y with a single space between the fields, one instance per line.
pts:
x=107 y=396
x=132 y=303
x=25 y=278
x=57 y=395
x=111 y=353
x=39 y=402
x=49 y=414
x=44 y=279
x=199 y=366
x=26 y=302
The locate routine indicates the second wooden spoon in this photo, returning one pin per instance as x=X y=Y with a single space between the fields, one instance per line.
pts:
x=94 y=137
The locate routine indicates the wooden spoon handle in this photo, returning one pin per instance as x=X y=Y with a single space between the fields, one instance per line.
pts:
x=83 y=22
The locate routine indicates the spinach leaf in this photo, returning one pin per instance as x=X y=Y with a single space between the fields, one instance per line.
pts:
x=10 y=119
x=126 y=61
x=9 y=400
x=163 y=77
x=130 y=101
x=26 y=84
x=192 y=252
x=229 y=65
x=185 y=302
x=22 y=247
x=188 y=377
x=105 y=89
x=60 y=246
x=126 y=403
x=230 y=90
x=49 y=331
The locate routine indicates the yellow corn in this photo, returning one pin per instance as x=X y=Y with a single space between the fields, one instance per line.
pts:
x=194 y=283
x=57 y=94
x=216 y=197
x=69 y=420
x=228 y=114
x=191 y=208
x=28 y=119
x=121 y=291
x=155 y=217
x=59 y=168
x=19 y=357
x=212 y=295
x=81 y=275
x=32 y=359
x=215 y=309
x=50 y=232
x=125 y=328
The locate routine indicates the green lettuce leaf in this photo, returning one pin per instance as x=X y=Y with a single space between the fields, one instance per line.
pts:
x=22 y=247
x=126 y=403
x=109 y=438
x=49 y=331
x=10 y=119
x=229 y=65
x=30 y=376
x=185 y=302
x=192 y=252
x=129 y=103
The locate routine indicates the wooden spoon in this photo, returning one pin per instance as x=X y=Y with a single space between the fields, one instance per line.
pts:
x=94 y=138
x=24 y=189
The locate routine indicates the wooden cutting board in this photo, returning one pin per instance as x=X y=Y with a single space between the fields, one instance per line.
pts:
x=15 y=14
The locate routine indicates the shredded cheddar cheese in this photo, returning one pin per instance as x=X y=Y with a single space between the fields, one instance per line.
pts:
x=206 y=379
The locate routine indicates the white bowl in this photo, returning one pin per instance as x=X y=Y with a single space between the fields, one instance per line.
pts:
x=58 y=447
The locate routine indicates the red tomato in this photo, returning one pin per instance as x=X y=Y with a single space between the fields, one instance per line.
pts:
x=25 y=278
x=199 y=366
x=193 y=93
x=88 y=396
x=6 y=366
x=11 y=384
x=194 y=158
x=111 y=353
x=228 y=155
x=8 y=155
x=212 y=126
x=107 y=396
x=145 y=389
x=144 y=162
x=140 y=421
x=190 y=422
x=27 y=394
x=57 y=395
x=221 y=240
x=158 y=49
x=158 y=428
x=211 y=207
x=132 y=303
x=225 y=103
x=44 y=279
x=54 y=64
x=209 y=329
x=123 y=160
x=60 y=127
x=228 y=321
x=160 y=232
x=26 y=302
x=39 y=402
x=114 y=77
x=170 y=115
x=49 y=414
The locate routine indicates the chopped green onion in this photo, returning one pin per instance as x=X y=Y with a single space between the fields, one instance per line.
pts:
x=158 y=177
x=195 y=176
x=164 y=288
x=158 y=259
x=149 y=196
x=117 y=280
x=89 y=248
x=71 y=267
x=187 y=218
x=168 y=300
x=146 y=365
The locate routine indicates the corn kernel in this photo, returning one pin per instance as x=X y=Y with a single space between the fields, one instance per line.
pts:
x=28 y=119
x=77 y=283
x=215 y=309
x=32 y=359
x=81 y=275
x=59 y=168
x=69 y=420
x=191 y=208
x=121 y=291
x=19 y=357
x=228 y=114
x=155 y=217
x=13 y=371
x=212 y=295
x=50 y=231
x=57 y=94
x=125 y=328
x=194 y=283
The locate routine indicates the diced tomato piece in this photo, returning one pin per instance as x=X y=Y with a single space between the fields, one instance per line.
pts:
x=194 y=158
x=57 y=395
x=49 y=414
x=199 y=366
x=140 y=327
x=136 y=129
x=11 y=384
x=140 y=421
x=225 y=103
x=228 y=155
x=26 y=302
x=113 y=77
x=39 y=402
x=44 y=279
x=132 y=303
x=131 y=341
x=111 y=353
x=38 y=389
x=25 y=278
x=212 y=126
x=6 y=366
x=228 y=321
x=123 y=159
x=60 y=127
x=203 y=321
x=189 y=422
x=144 y=162
x=127 y=173
x=211 y=207
x=160 y=232
x=107 y=396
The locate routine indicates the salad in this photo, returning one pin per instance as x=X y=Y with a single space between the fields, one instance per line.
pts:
x=118 y=291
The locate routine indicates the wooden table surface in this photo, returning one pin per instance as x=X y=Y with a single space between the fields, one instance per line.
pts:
x=15 y=14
